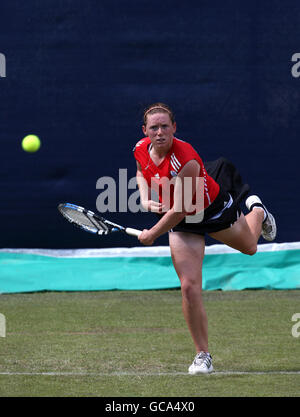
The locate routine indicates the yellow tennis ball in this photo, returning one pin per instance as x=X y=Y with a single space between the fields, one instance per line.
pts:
x=31 y=143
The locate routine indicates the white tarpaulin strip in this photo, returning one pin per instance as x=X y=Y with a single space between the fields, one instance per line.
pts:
x=153 y=251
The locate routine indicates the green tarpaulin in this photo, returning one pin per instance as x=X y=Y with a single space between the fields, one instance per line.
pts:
x=36 y=270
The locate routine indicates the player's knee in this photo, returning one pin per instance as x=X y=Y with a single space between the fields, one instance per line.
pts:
x=190 y=287
x=250 y=250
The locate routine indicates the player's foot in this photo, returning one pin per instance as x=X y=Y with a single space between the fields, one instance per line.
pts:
x=202 y=364
x=269 y=228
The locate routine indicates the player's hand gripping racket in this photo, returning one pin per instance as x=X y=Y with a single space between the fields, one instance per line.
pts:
x=91 y=222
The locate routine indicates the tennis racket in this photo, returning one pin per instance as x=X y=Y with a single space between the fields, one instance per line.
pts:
x=91 y=222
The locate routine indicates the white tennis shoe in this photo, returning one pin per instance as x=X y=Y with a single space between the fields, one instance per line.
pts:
x=269 y=229
x=202 y=364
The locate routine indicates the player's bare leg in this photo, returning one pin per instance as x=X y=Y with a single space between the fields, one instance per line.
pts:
x=244 y=234
x=187 y=252
x=254 y=220
x=269 y=228
x=246 y=231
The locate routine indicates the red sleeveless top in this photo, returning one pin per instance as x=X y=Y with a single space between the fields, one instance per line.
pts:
x=180 y=153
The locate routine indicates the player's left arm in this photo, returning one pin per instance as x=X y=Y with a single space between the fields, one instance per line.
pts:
x=145 y=193
x=184 y=190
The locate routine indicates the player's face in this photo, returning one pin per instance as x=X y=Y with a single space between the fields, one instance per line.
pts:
x=160 y=130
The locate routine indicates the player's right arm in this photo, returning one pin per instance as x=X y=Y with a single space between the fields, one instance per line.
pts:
x=145 y=193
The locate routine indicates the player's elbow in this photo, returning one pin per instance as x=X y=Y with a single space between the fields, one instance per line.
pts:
x=179 y=214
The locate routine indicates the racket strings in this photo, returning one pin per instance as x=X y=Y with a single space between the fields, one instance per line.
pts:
x=78 y=218
x=85 y=220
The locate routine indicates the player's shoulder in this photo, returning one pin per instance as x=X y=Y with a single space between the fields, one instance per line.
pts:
x=142 y=144
x=182 y=147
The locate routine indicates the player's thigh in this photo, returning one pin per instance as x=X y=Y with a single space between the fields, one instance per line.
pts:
x=238 y=236
x=187 y=251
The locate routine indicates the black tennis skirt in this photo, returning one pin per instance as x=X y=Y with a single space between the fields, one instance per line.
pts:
x=225 y=173
x=231 y=185
x=209 y=224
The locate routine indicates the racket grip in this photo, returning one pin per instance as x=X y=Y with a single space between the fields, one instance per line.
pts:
x=133 y=232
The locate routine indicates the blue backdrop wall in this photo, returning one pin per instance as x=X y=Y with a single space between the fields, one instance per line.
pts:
x=79 y=74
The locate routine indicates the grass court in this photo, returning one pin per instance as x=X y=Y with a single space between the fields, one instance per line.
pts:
x=136 y=343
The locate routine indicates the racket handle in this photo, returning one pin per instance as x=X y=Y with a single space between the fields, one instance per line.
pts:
x=133 y=232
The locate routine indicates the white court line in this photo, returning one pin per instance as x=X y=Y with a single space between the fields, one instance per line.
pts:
x=106 y=374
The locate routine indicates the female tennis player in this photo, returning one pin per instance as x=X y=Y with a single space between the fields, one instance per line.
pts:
x=174 y=169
